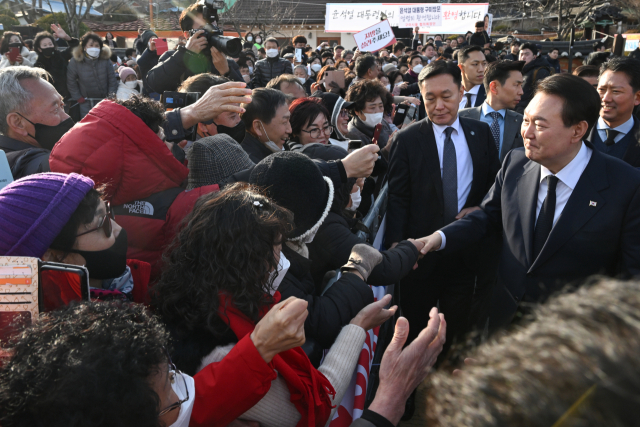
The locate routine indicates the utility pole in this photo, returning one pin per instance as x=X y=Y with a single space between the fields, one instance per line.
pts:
x=559 y=18
x=151 y=26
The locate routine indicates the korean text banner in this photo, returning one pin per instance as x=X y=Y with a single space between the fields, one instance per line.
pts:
x=433 y=18
x=374 y=38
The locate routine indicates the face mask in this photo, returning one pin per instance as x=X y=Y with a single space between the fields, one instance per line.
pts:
x=236 y=132
x=302 y=80
x=250 y=39
x=131 y=85
x=187 y=407
x=93 y=52
x=356 y=198
x=250 y=70
x=258 y=41
x=272 y=53
x=47 y=136
x=276 y=276
x=316 y=67
x=372 y=119
x=48 y=51
x=417 y=68
x=388 y=87
x=246 y=78
x=107 y=263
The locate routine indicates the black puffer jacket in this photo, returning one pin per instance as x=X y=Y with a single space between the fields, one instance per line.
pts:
x=532 y=72
x=57 y=65
x=269 y=68
x=333 y=310
x=332 y=246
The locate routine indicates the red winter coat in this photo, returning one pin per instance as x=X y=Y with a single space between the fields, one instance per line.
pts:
x=114 y=147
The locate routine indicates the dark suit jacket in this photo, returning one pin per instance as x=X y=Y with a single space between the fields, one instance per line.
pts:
x=512 y=123
x=586 y=240
x=632 y=155
x=482 y=95
x=416 y=204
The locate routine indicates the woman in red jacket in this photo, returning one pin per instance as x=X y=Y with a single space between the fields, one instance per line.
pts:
x=61 y=218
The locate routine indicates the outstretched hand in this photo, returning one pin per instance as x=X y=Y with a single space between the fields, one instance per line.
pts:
x=219 y=99
x=59 y=32
x=374 y=314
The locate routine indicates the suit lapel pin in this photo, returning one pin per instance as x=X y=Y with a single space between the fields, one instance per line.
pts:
x=592 y=203
x=473 y=133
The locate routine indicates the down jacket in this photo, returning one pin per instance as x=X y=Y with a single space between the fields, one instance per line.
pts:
x=28 y=59
x=270 y=68
x=142 y=179
x=91 y=78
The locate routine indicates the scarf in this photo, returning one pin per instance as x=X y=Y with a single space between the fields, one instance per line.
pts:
x=309 y=388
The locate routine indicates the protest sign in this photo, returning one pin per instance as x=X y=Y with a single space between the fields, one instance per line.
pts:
x=454 y=18
x=374 y=38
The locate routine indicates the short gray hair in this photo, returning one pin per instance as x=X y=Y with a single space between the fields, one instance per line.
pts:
x=15 y=97
x=302 y=67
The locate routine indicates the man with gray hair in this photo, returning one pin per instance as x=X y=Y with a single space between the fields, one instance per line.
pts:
x=32 y=119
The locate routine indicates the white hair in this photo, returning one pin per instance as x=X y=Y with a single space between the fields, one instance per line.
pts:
x=302 y=67
x=13 y=95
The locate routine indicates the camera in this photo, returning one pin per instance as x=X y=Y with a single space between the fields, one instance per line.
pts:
x=230 y=46
x=172 y=99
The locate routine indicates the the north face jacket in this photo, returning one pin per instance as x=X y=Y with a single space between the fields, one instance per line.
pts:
x=142 y=179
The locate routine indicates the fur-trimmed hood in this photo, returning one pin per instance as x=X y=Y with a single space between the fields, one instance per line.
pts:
x=79 y=56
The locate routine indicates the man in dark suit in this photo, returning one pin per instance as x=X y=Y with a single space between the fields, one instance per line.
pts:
x=617 y=132
x=565 y=210
x=472 y=64
x=440 y=168
x=503 y=84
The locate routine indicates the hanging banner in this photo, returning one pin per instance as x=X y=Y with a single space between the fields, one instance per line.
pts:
x=374 y=38
x=453 y=18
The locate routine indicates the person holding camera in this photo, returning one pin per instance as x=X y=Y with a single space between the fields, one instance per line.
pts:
x=196 y=57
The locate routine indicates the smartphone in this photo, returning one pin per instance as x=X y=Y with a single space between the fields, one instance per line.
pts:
x=6 y=177
x=411 y=114
x=298 y=55
x=14 y=52
x=376 y=133
x=354 y=144
x=401 y=113
x=74 y=287
x=161 y=46
x=334 y=76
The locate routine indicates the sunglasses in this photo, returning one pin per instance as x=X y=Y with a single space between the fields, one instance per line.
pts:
x=104 y=224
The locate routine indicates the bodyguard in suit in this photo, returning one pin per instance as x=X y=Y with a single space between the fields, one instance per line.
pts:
x=503 y=84
x=472 y=64
x=566 y=211
x=440 y=168
x=617 y=132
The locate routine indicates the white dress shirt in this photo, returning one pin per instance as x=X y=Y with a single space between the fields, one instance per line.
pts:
x=463 y=158
x=568 y=178
x=474 y=94
x=624 y=129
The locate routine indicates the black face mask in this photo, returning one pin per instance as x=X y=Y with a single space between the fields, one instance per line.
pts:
x=236 y=132
x=48 y=51
x=46 y=135
x=108 y=263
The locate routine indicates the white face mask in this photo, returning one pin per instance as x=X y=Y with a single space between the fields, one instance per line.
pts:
x=373 y=119
x=246 y=78
x=356 y=198
x=272 y=53
x=186 y=407
x=250 y=70
x=272 y=145
x=302 y=80
x=249 y=39
x=316 y=67
x=388 y=87
x=278 y=274
x=417 y=68
x=131 y=85
x=258 y=40
x=93 y=52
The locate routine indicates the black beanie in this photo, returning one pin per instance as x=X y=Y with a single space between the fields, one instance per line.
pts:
x=293 y=181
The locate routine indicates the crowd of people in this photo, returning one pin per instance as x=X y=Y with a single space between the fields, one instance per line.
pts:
x=228 y=282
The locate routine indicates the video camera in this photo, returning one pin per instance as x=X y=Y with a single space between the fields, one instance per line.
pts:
x=230 y=46
x=173 y=100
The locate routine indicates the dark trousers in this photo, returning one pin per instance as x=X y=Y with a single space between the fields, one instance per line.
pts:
x=448 y=284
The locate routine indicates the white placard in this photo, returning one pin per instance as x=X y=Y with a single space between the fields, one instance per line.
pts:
x=422 y=16
x=374 y=38
x=457 y=18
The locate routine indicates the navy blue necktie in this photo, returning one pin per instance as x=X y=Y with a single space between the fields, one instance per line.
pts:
x=495 y=128
x=449 y=178
x=545 y=217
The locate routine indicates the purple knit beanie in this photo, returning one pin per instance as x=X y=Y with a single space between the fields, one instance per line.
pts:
x=34 y=209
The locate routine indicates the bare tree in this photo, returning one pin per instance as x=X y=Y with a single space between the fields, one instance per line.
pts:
x=76 y=11
x=267 y=17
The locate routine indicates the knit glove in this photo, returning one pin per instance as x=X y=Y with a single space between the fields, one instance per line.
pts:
x=363 y=259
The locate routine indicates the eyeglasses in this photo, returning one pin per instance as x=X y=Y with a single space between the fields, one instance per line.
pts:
x=104 y=224
x=174 y=372
x=315 y=133
x=344 y=113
